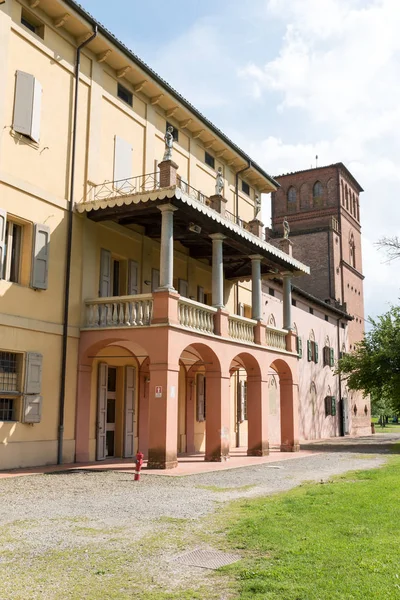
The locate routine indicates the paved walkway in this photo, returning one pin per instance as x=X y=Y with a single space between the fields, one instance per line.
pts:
x=380 y=443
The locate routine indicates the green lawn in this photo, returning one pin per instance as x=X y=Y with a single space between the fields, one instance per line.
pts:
x=389 y=427
x=321 y=541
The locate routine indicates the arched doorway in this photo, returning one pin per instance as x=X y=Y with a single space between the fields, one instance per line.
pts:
x=288 y=401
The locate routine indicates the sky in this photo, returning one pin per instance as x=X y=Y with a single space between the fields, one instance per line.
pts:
x=288 y=80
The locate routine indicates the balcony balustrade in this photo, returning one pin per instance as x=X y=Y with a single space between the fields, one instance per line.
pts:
x=196 y=316
x=275 y=338
x=241 y=329
x=120 y=311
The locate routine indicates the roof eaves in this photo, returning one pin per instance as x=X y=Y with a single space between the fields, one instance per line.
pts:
x=132 y=56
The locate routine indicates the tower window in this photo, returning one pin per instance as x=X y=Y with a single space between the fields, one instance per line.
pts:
x=317 y=193
x=352 y=251
x=209 y=160
x=124 y=94
x=291 y=199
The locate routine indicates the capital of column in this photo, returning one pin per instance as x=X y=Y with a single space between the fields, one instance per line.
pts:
x=217 y=236
x=256 y=257
x=167 y=208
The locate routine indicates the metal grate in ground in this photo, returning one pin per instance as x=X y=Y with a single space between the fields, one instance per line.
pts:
x=206 y=558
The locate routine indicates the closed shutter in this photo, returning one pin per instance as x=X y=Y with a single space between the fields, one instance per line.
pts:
x=309 y=351
x=241 y=309
x=299 y=343
x=40 y=259
x=27 y=105
x=101 y=422
x=133 y=278
x=315 y=352
x=3 y=224
x=331 y=357
x=123 y=161
x=328 y=405
x=155 y=279
x=130 y=399
x=105 y=274
x=183 y=287
x=200 y=294
x=32 y=400
x=200 y=398
x=333 y=406
x=242 y=401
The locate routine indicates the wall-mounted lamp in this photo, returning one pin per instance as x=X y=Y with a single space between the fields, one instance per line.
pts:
x=147 y=282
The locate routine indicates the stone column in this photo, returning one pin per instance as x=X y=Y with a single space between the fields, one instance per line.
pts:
x=217 y=270
x=287 y=302
x=256 y=308
x=257 y=416
x=167 y=246
x=217 y=421
x=82 y=435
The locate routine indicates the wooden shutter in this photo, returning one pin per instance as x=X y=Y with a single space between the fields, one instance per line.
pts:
x=105 y=273
x=242 y=401
x=3 y=226
x=40 y=258
x=183 y=287
x=331 y=357
x=130 y=399
x=200 y=294
x=309 y=351
x=333 y=406
x=327 y=405
x=315 y=352
x=27 y=105
x=299 y=343
x=101 y=421
x=123 y=161
x=155 y=279
x=32 y=400
x=200 y=397
x=133 y=278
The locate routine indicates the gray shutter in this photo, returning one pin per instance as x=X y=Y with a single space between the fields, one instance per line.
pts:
x=200 y=294
x=133 y=278
x=200 y=398
x=3 y=226
x=105 y=273
x=40 y=258
x=101 y=421
x=130 y=398
x=123 y=161
x=183 y=287
x=27 y=105
x=155 y=279
x=32 y=400
x=241 y=401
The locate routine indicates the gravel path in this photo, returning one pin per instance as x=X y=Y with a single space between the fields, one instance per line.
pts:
x=44 y=514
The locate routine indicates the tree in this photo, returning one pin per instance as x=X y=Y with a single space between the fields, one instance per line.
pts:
x=391 y=245
x=374 y=365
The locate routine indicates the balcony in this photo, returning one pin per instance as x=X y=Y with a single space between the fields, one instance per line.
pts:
x=126 y=312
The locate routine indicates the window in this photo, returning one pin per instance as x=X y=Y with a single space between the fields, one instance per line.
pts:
x=330 y=406
x=175 y=131
x=245 y=188
x=271 y=291
x=116 y=277
x=326 y=318
x=311 y=310
x=32 y=23
x=124 y=94
x=200 y=398
x=312 y=349
x=294 y=303
x=209 y=160
x=291 y=200
x=317 y=193
x=346 y=195
x=27 y=106
x=329 y=356
x=10 y=384
x=242 y=401
x=200 y=294
x=7 y=409
x=12 y=252
x=352 y=251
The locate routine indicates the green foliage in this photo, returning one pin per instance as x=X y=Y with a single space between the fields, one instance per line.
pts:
x=374 y=365
x=328 y=541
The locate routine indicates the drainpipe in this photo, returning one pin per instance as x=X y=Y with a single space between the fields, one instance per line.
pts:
x=69 y=252
x=237 y=295
x=341 y=424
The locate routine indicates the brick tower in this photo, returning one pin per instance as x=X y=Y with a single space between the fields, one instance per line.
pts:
x=323 y=211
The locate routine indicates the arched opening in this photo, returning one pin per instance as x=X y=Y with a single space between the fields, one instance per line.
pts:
x=288 y=402
x=352 y=251
x=109 y=400
x=292 y=199
x=346 y=195
x=317 y=194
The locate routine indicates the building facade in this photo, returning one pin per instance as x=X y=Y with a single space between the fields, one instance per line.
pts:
x=134 y=312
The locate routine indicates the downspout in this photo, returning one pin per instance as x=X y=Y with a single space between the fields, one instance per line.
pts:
x=69 y=252
x=237 y=297
x=341 y=424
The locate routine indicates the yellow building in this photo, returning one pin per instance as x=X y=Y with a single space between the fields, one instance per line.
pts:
x=91 y=212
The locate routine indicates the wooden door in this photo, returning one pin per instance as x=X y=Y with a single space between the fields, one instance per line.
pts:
x=101 y=422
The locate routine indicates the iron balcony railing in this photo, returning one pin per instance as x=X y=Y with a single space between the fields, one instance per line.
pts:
x=125 y=187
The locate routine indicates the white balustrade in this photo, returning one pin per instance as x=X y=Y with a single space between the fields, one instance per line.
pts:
x=276 y=338
x=196 y=316
x=241 y=328
x=119 y=311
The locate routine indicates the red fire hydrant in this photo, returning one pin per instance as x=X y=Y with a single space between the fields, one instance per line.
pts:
x=139 y=463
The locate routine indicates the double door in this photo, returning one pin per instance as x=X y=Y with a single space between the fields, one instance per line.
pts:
x=116 y=401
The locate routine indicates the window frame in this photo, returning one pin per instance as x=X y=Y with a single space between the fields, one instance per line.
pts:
x=8 y=260
x=209 y=160
x=245 y=188
x=124 y=90
x=291 y=199
x=11 y=389
x=32 y=23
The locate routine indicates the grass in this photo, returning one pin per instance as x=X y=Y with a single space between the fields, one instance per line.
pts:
x=333 y=541
x=389 y=427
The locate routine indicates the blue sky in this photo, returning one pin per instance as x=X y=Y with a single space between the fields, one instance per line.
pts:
x=286 y=80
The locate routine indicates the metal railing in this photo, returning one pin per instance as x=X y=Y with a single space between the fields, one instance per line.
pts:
x=191 y=191
x=237 y=220
x=125 y=187
x=275 y=338
x=240 y=328
x=121 y=311
x=196 y=316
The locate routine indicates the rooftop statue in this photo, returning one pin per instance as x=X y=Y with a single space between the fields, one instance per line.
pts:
x=169 y=142
x=257 y=207
x=219 y=182
x=286 y=229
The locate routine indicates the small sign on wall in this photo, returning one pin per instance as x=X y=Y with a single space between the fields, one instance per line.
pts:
x=158 y=392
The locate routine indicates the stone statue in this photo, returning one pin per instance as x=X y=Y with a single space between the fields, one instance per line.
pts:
x=257 y=207
x=286 y=229
x=219 y=183
x=169 y=142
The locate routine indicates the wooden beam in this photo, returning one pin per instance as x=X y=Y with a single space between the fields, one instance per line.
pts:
x=197 y=134
x=156 y=99
x=171 y=111
x=185 y=123
x=231 y=162
x=103 y=55
x=83 y=38
x=34 y=3
x=220 y=153
x=139 y=86
x=122 y=72
x=209 y=144
x=61 y=20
